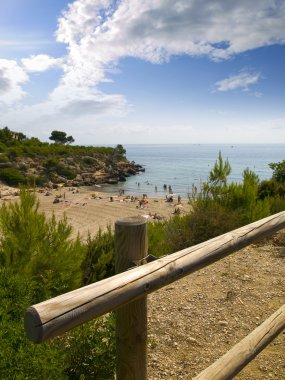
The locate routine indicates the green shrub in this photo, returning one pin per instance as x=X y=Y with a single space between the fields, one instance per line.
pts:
x=50 y=164
x=3 y=147
x=90 y=350
x=20 y=358
x=65 y=172
x=157 y=243
x=99 y=262
x=278 y=171
x=38 y=261
x=3 y=158
x=41 y=248
x=12 y=176
x=89 y=160
x=271 y=188
x=12 y=153
x=277 y=204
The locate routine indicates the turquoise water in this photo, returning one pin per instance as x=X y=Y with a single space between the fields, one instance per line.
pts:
x=183 y=165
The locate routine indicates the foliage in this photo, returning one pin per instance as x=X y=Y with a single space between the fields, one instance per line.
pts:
x=277 y=204
x=65 y=172
x=91 y=350
x=20 y=358
x=157 y=243
x=38 y=261
x=99 y=262
x=220 y=172
x=12 y=176
x=278 y=171
x=31 y=147
x=61 y=138
x=120 y=150
x=271 y=188
x=4 y=158
x=38 y=247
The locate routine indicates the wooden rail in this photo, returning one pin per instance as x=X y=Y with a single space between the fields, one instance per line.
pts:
x=55 y=316
x=243 y=352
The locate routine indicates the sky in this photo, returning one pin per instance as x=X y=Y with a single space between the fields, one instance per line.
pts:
x=152 y=72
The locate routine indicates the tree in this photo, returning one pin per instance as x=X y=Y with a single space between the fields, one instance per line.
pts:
x=39 y=247
x=120 y=150
x=278 y=171
x=20 y=136
x=220 y=172
x=61 y=138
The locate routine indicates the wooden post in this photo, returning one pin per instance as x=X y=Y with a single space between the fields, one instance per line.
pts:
x=131 y=320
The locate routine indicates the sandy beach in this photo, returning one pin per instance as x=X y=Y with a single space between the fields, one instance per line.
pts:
x=87 y=210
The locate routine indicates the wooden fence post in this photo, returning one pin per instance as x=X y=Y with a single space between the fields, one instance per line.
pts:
x=131 y=320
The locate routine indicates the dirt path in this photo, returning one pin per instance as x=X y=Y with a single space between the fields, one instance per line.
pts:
x=197 y=319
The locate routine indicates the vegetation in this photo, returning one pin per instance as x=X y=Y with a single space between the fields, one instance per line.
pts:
x=99 y=262
x=278 y=171
x=38 y=260
x=12 y=176
x=61 y=138
x=26 y=160
x=31 y=147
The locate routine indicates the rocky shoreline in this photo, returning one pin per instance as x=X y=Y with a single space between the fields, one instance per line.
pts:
x=74 y=171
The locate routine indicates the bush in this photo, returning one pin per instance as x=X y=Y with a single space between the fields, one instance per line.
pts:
x=38 y=247
x=52 y=165
x=99 y=262
x=12 y=176
x=38 y=261
x=91 y=350
x=20 y=358
x=3 y=158
x=271 y=188
x=89 y=161
x=157 y=242
x=278 y=171
x=65 y=172
x=277 y=204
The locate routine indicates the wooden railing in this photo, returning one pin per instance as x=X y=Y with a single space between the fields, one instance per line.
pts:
x=127 y=292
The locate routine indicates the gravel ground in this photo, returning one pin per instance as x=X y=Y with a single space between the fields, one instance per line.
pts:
x=194 y=321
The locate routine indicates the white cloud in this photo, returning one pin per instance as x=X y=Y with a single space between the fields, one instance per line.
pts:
x=12 y=76
x=101 y=32
x=240 y=81
x=155 y=30
x=41 y=62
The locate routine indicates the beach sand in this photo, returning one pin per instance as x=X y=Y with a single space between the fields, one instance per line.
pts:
x=89 y=211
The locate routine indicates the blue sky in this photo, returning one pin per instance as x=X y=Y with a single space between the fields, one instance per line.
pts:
x=132 y=71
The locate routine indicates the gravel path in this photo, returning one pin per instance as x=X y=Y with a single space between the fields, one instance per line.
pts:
x=197 y=319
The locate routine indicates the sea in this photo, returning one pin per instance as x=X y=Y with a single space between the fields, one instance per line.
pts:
x=181 y=166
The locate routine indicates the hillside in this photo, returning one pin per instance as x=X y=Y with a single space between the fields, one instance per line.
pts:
x=29 y=161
